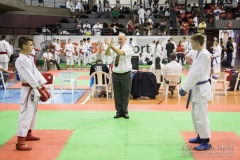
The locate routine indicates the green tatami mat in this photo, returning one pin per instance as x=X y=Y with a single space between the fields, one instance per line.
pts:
x=97 y=136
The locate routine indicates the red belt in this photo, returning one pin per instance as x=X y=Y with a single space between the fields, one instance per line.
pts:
x=3 y=52
x=26 y=85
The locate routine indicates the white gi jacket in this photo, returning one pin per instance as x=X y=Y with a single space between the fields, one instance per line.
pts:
x=5 y=47
x=69 y=49
x=199 y=71
x=217 y=50
x=28 y=73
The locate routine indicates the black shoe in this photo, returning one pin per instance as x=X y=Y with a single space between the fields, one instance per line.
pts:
x=126 y=116
x=230 y=89
x=117 y=116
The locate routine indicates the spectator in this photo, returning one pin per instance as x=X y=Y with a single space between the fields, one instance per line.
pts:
x=130 y=27
x=135 y=12
x=114 y=14
x=217 y=12
x=70 y=6
x=79 y=30
x=189 y=8
x=80 y=6
x=40 y=2
x=201 y=27
x=107 y=10
x=170 y=48
x=86 y=27
x=191 y=28
x=230 y=49
x=118 y=5
x=47 y=55
x=141 y=17
x=172 y=68
x=99 y=66
x=115 y=28
x=97 y=28
x=180 y=52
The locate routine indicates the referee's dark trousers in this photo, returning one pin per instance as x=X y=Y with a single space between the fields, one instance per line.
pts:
x=122 y=83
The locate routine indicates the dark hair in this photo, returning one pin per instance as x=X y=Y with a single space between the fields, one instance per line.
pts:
x=173 y=56
x=3 y=36
x=98 y=60
x=23 y=41
x=157 y=63
x=88 y=39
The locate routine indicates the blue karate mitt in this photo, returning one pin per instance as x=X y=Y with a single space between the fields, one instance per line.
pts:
x=182 y=92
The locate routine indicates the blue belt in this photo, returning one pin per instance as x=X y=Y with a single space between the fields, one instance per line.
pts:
x=215 y=58
x=190 y=92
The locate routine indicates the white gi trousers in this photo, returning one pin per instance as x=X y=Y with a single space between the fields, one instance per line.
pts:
x=57 y=56
x=233 y=59
x=69 y=58
x=28 y=113
x=200 y=118
x=80 y=58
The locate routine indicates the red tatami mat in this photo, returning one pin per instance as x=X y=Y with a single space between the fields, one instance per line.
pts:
x=49 y=146
x=225 y=146
x=132 y=107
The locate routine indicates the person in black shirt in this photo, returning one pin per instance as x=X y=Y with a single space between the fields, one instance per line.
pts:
x=229 y=47
x=192 y=28
x=169 y=47
x=99 y=66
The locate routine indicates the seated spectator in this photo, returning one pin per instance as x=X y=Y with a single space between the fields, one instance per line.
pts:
x=107 y=10
x=147 y=27
x=70 y=6
x=40 y=2
x=80 y=6
x=99 y=66
x=201 y=27
x=5 y=75
x=114 y=13
x=191 y=28
x=86 y=26
x=79 y=30
x=97 y=28
x=130 y=27
x=49 y=58
x=217 y=12
x=157 y=65
x=115 y=28
x=172 y=68
x=189 y=8
x=118 y=5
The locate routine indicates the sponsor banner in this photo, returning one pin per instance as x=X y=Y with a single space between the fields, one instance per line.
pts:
x=142 y=43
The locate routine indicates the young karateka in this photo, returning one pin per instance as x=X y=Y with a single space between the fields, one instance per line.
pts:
x=216 y=58
x=57 y=48
x=81 y=49
x=69 y=52
x=5 y=52
x=31 y=91
x=199 y=89
x=88 y=54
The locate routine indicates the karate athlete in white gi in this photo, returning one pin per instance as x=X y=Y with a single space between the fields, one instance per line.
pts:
x=88 y=55
x=216 y=58
x=81 y=49
x=69 y=52
x=31 y=91
x=57 y=48
x=199 y=89
x=5 y=53
x=157 y=51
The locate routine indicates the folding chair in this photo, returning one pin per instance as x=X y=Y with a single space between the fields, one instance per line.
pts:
x=68 y=77
x=100 y=80
x=237 y=81
x=159 y=76
x=2 y=80
x=174 y=80
x=221 y=78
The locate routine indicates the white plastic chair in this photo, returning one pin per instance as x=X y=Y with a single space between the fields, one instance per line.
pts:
x=221 y=78
x=50 y=82
x=158 y=73
x=237 y=81
x=174 y=80
x=2 y=79
x=68 y=77
x=100 y=80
